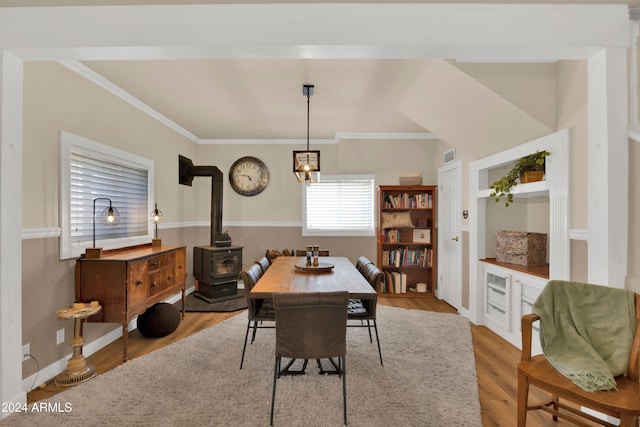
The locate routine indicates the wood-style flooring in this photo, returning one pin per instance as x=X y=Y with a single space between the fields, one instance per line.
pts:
x=496 y=361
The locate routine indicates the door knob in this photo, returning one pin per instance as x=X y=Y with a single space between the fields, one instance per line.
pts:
x=455 y=238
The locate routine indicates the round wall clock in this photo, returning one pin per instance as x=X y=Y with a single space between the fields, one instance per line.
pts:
x=248 y=176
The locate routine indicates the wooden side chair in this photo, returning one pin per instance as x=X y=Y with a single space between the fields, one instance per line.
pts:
x=258 y=311
x=622 y=403
x=365 y=310
x=311 y=325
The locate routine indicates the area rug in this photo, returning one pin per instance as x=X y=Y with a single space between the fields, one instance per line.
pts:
x=192 y=303
x=428 y=379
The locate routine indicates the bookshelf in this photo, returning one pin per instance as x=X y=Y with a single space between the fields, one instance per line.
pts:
x=407 y=239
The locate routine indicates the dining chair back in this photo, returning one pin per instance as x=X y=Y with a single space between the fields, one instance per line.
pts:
x=622 y=402
x=365 y=310
x=362 y=262
x=311 y=325
x=258 y=310
x=263 y=262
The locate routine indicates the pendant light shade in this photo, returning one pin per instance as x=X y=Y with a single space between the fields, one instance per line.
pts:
x=306 y=164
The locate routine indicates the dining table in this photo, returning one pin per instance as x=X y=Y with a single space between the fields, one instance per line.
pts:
x=291 y=274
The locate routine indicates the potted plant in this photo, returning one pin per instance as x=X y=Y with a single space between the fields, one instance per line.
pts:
x=527 y=169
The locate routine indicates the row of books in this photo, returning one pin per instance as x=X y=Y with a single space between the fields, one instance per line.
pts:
x=394 y=282
x=405 y=257
x=391 y=236
x=407 y=201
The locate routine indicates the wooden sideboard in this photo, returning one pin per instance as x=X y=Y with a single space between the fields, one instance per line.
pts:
x=128 y=281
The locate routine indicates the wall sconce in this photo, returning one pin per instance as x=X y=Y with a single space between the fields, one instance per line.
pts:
x=110 y=217
x=156 y=218
x=306 y=164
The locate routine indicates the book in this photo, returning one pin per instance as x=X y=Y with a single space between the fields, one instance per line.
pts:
x=403 y=283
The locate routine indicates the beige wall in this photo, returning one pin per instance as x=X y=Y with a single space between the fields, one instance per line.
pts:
x=57 y=99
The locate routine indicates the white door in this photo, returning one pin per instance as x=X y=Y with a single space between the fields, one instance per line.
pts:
x=449 y=234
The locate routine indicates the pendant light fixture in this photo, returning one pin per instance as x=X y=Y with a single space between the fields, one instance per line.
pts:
x=306 y=164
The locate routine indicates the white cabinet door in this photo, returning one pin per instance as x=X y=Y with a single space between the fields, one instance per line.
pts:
x=497 y=305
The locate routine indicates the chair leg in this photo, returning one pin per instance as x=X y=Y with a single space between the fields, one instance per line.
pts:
x=244 y=348
x=343 y=361
x=375 y=327
x=523 y=399
x=276 y=371
x=255 y=329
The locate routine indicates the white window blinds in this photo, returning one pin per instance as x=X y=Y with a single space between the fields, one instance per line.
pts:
x=93 y=171
x=124 y=185
x=339 y=206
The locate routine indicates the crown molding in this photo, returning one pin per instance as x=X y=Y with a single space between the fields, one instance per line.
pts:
x=385 y=135
x=92 y=76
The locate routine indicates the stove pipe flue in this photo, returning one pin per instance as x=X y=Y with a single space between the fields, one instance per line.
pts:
x=187 y=171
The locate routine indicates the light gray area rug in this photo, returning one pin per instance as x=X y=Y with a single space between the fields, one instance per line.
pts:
x=428 y=379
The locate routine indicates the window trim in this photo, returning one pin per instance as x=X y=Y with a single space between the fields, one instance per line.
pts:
x=70 y=143
x=337 y=233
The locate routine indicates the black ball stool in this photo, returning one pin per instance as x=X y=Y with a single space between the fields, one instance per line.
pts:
x=159 y=320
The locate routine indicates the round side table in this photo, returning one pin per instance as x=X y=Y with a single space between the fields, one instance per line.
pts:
x=78 y=370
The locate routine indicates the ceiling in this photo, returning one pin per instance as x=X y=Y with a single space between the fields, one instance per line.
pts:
x=263 y=99
x=260 y=98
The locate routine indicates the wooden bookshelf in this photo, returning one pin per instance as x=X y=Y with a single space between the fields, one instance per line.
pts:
x=407 y=249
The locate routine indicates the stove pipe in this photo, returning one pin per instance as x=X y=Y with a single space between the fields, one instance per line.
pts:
x=187 y=171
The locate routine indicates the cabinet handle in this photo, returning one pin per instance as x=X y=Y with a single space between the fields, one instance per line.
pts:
x=153 y=284
x=139 y=282
x=154 y=263
x=455 y=238
x=170 y=277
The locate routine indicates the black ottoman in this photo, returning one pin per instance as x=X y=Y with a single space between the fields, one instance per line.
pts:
x=159 y=320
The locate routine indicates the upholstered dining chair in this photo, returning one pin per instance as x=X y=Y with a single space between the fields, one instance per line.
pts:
x=311 y=325
x=605 y=319
x=303 y=252
x=263 y=262
x=365 y=310
x=258 y=310
x=362 y=262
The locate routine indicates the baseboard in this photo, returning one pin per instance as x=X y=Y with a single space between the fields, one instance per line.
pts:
x=45 y=374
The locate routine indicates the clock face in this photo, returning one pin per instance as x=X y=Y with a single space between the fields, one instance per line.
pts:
x=249 y=176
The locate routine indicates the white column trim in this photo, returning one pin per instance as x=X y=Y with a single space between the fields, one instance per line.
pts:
x=608 y=179
x=11 y=78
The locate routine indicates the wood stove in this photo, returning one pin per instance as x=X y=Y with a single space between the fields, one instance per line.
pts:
x=215 y=267
x=216 y=270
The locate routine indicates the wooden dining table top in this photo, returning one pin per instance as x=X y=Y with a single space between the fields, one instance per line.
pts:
x=282 y=276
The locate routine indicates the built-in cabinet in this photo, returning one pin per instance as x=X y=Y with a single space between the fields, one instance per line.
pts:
x=508 y=295
x=499 y=294
x=407 y=239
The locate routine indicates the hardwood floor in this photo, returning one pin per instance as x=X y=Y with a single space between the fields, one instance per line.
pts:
x=496 y=361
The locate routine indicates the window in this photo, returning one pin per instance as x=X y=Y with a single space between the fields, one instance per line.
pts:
x=88 y=171
x=339 y=206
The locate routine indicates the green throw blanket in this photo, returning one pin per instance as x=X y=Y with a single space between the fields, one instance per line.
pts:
x=586 y=331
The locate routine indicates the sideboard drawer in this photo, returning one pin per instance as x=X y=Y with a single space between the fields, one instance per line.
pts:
x=160 y=280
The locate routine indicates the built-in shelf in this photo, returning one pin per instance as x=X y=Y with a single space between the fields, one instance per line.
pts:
x=535 y=270
x=530 y=189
